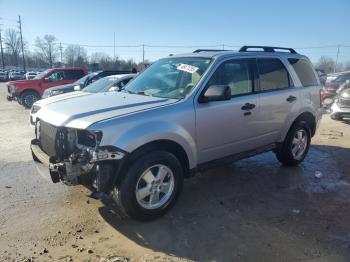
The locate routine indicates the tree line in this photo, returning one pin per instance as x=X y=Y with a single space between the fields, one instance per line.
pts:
x=49 y=53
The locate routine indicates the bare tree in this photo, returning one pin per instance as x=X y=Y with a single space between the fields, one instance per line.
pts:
x=47 y=48
x=12 y=42
x=75 y=55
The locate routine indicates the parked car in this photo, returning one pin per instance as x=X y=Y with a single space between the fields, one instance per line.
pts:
x=30 y=75
x=16 y=75
x=322 y=75
x=4 y=76
x=81 y=83
x=105 y=84
x=340 y=109
x=183 y=114
x=331 y=87
x=26 y=92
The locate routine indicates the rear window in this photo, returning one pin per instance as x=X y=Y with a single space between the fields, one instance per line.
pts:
x=273 y=74
x=74 y=74
x=304 y=71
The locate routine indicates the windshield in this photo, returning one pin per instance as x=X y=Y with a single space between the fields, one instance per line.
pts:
x=41 y=75
x=82 y=80
x=170 y=77
x=101 y=85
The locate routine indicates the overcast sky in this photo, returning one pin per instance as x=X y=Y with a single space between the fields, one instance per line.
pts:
x=187 y=23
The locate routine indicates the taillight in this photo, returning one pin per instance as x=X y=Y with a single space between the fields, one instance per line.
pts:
x=322 y=96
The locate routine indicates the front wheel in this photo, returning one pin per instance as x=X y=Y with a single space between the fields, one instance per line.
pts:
x=296 y=144
x=28 y=98
x=151 y=186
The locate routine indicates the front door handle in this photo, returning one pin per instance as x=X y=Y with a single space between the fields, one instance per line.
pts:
x=291 y=99
x=248 y=106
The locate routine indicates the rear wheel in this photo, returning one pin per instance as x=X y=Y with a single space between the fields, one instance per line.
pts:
x=28 y=98
x=150 y=186
x=296 y=144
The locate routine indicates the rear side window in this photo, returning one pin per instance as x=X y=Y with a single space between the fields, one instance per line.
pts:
x=74 y=74
x=273 y=74
x=304 y=71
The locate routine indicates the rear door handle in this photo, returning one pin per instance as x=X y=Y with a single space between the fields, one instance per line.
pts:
x=248 y=106
x=291 y=99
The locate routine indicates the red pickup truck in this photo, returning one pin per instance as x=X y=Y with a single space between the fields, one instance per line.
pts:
x=26 y=92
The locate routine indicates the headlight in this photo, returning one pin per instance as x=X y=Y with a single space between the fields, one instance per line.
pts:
x=56 y=92
x=35 y=109
x=46 y=94
x=12 y=88
x=89 y=138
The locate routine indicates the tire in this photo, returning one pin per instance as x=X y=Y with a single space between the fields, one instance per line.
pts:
x=292 y=152
x=130 y=192
x=336 y=117
x=28 y=98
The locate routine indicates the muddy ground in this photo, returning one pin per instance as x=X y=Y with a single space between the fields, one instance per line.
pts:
x=252 y=210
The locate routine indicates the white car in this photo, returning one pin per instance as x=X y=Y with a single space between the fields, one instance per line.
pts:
x=105 y=84
x=30 y=75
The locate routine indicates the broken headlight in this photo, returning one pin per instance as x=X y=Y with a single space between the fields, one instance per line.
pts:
x=89 y=138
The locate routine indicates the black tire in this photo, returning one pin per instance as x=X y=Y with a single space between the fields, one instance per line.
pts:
x=125 y=195
x=284 y=153
x=28 y=98
x=336 y=117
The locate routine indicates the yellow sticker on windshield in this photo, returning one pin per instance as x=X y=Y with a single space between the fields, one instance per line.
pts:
x=187 y=68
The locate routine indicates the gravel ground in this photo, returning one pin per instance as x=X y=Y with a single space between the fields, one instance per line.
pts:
x=252 y=210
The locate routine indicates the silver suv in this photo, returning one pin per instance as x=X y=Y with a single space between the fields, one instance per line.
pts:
x=183 y=114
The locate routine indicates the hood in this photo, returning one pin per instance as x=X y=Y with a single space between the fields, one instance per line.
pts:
x=84 y=110
x=53 y=99
x=61 y=87
x=20 y=82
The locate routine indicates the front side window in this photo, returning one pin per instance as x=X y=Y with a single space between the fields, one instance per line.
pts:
x=170 y=77
x=273 y=75
x=304 y=71
x=56 y=76
x=236 y=74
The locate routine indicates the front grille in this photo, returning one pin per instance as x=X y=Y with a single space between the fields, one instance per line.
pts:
x=48 y=138
x=344 y=102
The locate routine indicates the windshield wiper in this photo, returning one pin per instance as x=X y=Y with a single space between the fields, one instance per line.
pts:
x=138 y=93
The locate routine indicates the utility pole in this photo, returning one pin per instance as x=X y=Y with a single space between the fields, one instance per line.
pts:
x=2 y=52
x=114 y=46
x=223 y=46
x=61 y=52
x=20 y=31
x=336 y=61
x=143 y=55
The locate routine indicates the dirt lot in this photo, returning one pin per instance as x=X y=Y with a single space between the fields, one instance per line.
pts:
x=252 y=210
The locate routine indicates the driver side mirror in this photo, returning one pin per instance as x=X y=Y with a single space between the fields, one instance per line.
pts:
x=216 y=93
x=47 y=79
x=77 y=88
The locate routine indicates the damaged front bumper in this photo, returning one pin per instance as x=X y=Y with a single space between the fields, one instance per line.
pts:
x=97 y=163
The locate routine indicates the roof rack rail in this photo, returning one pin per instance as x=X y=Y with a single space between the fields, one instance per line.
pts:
x=209 y=50
x=266 y=48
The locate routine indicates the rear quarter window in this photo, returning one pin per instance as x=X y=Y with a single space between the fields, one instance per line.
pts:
x=304 y=71
x=74 y=74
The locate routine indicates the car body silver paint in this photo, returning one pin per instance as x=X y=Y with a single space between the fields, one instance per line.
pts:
x=204 y=131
